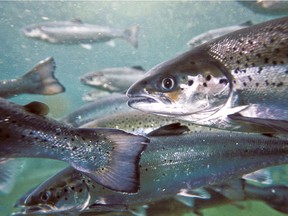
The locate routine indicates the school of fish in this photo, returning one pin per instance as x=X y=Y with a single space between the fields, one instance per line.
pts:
x=201 y=129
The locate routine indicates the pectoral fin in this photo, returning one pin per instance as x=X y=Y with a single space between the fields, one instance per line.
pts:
x=37 y=108
x=262 y=125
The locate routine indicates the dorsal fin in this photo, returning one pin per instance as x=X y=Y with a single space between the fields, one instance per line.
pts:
x=138 y=67
x=37 y=108
x=169 y=130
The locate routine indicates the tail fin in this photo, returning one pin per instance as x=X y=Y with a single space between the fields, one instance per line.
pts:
x=117 y=165
x=131 y=35
x=42 y=78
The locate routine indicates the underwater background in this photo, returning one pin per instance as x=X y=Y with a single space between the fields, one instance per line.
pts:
x=165 y=29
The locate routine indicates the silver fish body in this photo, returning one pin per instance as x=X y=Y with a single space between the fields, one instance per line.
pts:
x=91 y=151
x=114 y=103
x=170 y=166
x=243 y=72
x=215 y=33
x=77 y=32
x=113 y=79
x=39 y=80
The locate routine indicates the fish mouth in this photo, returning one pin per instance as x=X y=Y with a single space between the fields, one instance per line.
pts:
x=34 y=210
x=138 y=101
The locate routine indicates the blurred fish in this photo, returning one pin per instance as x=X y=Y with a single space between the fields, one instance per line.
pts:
x=113 y=79
x=273 y=4
x=94 y=95
x=215 y=33
x=77 y=32
x=108 y=156
x=237 y=82
x=39 y=80
x=171 y=165
x=114 y=103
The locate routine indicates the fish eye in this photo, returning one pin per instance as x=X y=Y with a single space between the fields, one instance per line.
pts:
x=45 y=196
x=168 y=83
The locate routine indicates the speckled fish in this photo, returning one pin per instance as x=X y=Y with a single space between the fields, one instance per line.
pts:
x=215 y=33
x=171 y=165
x=113 y=79
x=77 y=32
x=114 y=103
x=108 y=156
x=238 y=82
x=39 y=80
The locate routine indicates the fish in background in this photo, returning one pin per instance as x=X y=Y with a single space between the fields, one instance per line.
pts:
x=94 y=95
x=275 y=196
x=39 y=80
x=109 y=156
x=175 y=165
x=215 y=33
x=271 y=7
x=117 y=79
x=237 y=82
x=106 y=106
x=77 y=32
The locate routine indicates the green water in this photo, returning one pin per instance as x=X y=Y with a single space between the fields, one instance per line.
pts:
x=165 y=28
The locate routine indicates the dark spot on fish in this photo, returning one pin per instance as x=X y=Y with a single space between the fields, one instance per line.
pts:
x=266 y=60
x=267 y=83
x=170 y=161
x=258 y=55
x=13 y=121
x=250 y=78
x=74 y=148
x=238 y=62
x=247 y=59
x=234 y=81
x=73 y=188
x=264 y=45
x=224 y=81
x=58 y=197
x=94 y=186
x=66 y=198
x=273 y=84
x=190 y=82
x=277 y=50
x=99 y=149
x=256 y=84
x=192 y=63
x=274 y=62
x=72 y=139
x=146 y=169
x=65 y=138
x=234 y=48
x=163 y=174
x=181 y=89
x=80 y=190
x=272 y=40
x=31 y=133
x=246 y=151
x=23 y=136
x=241 y=53
x=282 y=62
x=280 y=84
x=205 y=84
x=252 y=64
x=208 y=77
x=102 y=168
x=63 y=149
x=36 y=138
x=259 y=70
x=250 y=42
x=246 y=65
x=231 y=57
x=65 y=190
x=244 y=83
x=57 y=134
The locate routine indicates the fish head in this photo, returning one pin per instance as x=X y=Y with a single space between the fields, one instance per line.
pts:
x=54 y=196
x=36 y=31
x=188 y=84
x=94 y=79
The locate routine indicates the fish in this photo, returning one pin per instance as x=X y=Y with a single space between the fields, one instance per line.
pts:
x=117 y=79
x=175 y=165
x=241 y=73
x=114 y=103
x=215 y=33
x=77 y=32
x=136 y=122
x=94 y=95
x=39 y=80
x=109 y=156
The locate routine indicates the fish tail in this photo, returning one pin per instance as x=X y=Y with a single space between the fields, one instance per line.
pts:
x=42 y=77
x=131 y=35
x=119 y=169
